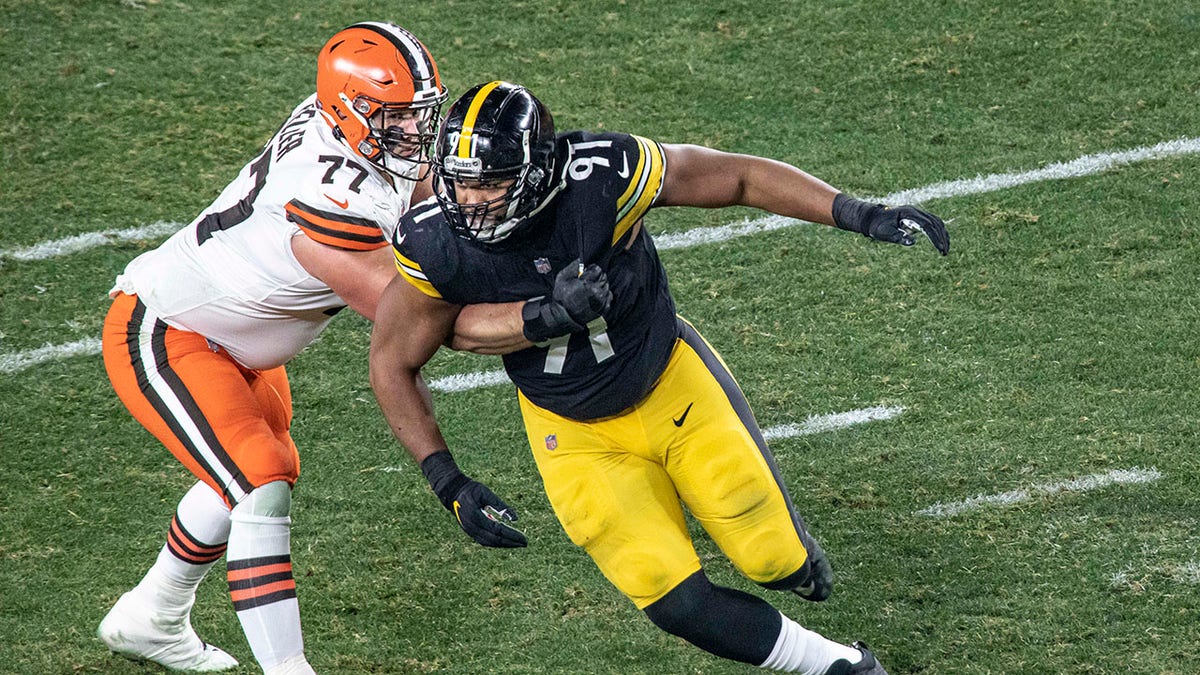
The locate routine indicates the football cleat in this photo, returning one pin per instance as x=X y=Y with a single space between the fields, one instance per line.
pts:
x=133 y=629
x=819 y=584
x=866 y=666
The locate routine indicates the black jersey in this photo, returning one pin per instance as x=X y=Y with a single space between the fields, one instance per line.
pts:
x=612 y=180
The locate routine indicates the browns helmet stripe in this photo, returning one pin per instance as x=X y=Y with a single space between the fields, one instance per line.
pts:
x=468 y=127
x=416 y=56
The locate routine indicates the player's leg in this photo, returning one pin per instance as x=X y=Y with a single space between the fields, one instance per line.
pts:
x=613 y=497
x=729 y=478
x=259 y=561
x=613 y=501
x=730 y=483
x=153 y=620
x=228 y=426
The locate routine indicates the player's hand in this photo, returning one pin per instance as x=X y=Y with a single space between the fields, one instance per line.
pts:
x=819 y=583
x=580 y=295
x=479 y=512
x=485 y=517
x=582 y=291
x=896 y=225
x=901 y=224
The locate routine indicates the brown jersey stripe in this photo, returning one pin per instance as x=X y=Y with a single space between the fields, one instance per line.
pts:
x=337 y=241
x=358 y=228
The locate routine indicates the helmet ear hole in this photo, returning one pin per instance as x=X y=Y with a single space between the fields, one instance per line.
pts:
x=496 y=132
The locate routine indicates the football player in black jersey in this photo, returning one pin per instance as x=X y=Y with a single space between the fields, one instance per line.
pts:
x=629 y=412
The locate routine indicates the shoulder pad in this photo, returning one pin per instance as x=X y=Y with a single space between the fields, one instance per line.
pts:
x=426 y=250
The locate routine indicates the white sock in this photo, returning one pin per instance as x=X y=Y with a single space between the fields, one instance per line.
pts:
x=262 y=588
x=799 y=650
x=195 y=542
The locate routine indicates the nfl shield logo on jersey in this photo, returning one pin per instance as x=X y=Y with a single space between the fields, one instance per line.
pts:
x=543 y=267
x=552 y=441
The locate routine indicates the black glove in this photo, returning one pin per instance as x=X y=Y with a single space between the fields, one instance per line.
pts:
x=580 y=295
x=819 y=583
x=896 y=225
x=583 y=291
x=480 y=513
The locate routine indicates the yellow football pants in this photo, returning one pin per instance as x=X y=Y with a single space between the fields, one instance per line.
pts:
x=618 y=484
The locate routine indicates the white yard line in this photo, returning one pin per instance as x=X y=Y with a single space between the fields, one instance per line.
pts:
x=1083 y=166
x=1085 y=484
x=813 y=425
x=816 y=424
x=453 y=383
x=1140 y=578
x=82 y=242
x=12 y=363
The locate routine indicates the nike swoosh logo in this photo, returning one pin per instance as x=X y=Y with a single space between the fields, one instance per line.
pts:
x=342 y=204
x=624 y=172
x=400 y=237
x=679 y=422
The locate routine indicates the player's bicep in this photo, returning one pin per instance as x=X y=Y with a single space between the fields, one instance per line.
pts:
x=358 y=277
x=409 y=326
x=700 y=176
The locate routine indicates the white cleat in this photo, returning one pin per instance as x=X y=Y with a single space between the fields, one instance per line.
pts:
x=135 y=630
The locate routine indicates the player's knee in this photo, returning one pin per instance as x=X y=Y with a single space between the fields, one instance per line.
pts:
x=682 y=606
x=813 y=580
x=767 y=555
x=272 y=500
x=722 y=621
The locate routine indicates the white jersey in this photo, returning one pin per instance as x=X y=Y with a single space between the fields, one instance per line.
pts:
x=231 y=275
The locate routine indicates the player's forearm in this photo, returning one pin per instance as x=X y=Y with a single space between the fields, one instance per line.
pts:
x=700 y=176
x=494 y=328
x=408 y=409
x=783 y=189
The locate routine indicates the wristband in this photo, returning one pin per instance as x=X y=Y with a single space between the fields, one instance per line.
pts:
x=543 y=319
x=444 y=477
x=852 y=214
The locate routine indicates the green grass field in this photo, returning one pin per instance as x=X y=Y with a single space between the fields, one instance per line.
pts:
x=1056 y=343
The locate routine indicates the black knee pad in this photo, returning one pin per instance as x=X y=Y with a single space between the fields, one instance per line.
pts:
x=722 y=621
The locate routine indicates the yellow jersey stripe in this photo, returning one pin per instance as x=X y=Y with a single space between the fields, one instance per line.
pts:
x=412 y=273
x=468 y=129
x=644 y=187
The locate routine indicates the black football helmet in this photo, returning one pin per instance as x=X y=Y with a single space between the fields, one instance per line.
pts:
x=496 y=133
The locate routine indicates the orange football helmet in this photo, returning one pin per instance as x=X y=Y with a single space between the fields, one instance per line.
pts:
x=379 y=88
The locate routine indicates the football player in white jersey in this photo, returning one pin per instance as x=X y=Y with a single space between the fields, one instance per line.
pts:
x=200 y=329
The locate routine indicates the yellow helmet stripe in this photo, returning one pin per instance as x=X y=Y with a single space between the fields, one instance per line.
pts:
x=464 y=140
